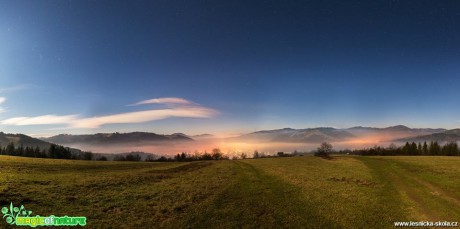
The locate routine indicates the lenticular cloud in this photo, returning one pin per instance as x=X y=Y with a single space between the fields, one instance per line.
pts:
x=182 y=108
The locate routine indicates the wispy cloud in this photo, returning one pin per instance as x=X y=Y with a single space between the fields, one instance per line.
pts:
x=170 y=100
x=40 y=120
x=144 y=116
x=184 y=108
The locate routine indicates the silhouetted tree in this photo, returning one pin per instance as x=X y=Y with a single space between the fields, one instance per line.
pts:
x=20 y=151
x=413 y=149
x=256 y=154
x=450 y=149
x=324 y=150
x=162 y=159
x=133 y=157
x=150 y=158
x=216 y=154
x=425 y=148
x=102 y=158
x=10 y=149
x=206 y=156
x=87 y=156
x=60 y=152
x=119 y=158
x=434 y=149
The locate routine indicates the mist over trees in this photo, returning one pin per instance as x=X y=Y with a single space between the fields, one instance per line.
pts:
x=55 y=151
x=432 y=148
x=216 y=154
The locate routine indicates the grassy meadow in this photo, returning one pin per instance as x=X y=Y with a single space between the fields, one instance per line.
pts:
x=296 y=192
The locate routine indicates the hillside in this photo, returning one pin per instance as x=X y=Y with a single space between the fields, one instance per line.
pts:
x=312 y=135
x=24 y=140
x=329 y=134
x=398 y=130
x=116 y=138
x=446 y=136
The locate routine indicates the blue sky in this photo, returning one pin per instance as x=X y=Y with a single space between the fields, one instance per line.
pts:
x=240 y=65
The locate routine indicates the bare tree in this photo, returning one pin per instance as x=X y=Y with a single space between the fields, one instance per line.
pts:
x=324 y=150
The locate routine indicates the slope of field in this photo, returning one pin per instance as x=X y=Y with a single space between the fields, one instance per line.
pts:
x=346 y=192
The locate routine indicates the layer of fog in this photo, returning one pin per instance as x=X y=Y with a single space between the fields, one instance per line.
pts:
x=225 y=145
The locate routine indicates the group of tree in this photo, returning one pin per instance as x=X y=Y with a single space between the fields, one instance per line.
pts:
x=410 y=149
x=54 y=151
x=258 y=154
x=128 y=157
x=216 y=154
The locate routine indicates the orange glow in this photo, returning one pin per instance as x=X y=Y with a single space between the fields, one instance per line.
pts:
x=231 y=146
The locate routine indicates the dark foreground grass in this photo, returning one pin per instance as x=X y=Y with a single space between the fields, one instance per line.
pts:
x=300 y=192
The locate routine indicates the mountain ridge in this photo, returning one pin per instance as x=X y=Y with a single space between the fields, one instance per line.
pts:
x=452 y=135
x=116 y=138
x=320 y=134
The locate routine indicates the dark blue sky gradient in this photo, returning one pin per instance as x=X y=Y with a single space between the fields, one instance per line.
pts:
x=261 y=64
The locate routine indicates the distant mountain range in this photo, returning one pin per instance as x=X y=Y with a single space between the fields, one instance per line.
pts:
x=445 y=136
x=321 y=134
x=400 y=129
x=202 y=136
x=117 y=138
x=287 y=135
x=298 y=135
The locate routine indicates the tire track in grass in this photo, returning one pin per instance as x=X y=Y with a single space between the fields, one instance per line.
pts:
x=438 y=191
x=409 y=193
x=443 y=204
x=257 y=200
x=433 y=188
x=423 y=200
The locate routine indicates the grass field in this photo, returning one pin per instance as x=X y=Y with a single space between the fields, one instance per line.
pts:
x=298 y=192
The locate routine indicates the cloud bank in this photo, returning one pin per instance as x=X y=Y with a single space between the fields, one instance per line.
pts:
x=183 y=108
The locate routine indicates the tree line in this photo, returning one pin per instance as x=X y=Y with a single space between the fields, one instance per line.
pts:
x=54 y=151
x=216 y=154
x=60 y=152
x=432 y=148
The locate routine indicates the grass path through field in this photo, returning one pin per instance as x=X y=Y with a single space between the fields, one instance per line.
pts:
x=425 y=200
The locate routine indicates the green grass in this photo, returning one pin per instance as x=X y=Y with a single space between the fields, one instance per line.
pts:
x=299 y=192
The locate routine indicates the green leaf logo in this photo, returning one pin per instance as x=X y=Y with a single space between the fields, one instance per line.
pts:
x=13 y=212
